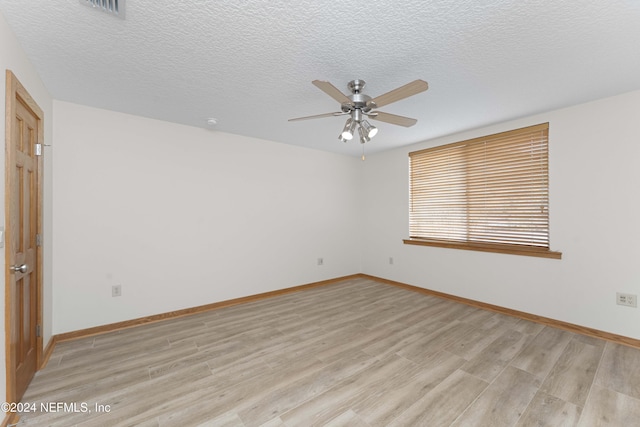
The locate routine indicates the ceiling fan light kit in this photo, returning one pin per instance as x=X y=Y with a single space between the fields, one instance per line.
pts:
x=359 y=106
x=364 y=138
x=369 y=130
x=347 y=132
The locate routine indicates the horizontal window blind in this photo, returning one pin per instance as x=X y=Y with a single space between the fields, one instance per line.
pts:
x=491 y=190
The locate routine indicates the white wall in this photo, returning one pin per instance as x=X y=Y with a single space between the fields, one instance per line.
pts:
x=13 y=58
x=594 y=213
x=164 y=210
x=181 y=216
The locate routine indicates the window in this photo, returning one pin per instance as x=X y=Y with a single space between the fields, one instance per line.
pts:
x=488 y=194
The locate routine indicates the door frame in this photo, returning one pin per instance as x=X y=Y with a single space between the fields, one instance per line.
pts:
x=14 y=91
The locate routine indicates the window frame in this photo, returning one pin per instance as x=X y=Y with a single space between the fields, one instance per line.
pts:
x=530 y=248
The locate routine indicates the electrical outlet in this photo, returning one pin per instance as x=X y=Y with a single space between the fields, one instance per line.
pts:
x=391 y=260
x=320 y=261
x=116 y=291
x=630 y=300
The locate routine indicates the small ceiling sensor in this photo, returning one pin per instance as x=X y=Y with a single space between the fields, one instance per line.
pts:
x=212 y=121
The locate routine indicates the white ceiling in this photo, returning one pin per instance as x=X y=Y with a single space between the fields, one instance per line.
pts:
x=250 y=63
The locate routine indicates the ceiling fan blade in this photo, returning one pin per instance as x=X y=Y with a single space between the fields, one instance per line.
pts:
x=402 y=92
x=318 y=116
x=392 y=118
x=332 y=91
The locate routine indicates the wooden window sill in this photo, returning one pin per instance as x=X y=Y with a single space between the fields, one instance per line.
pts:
x=487 y=247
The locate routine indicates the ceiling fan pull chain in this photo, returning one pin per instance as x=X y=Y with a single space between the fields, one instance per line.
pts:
x=363 y=152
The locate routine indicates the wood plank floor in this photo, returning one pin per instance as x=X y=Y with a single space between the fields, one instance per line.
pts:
x=355 y=353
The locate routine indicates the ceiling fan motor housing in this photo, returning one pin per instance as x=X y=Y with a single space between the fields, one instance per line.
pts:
x=360 y=103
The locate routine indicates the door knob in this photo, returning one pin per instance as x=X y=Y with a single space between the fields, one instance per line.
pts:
x=19 y=268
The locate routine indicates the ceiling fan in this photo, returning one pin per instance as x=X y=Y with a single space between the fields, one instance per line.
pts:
x=359 y=106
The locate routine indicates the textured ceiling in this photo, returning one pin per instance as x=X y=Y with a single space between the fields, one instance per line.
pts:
x=250 y=63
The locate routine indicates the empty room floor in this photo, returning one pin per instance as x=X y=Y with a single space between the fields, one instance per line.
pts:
x=354 y=353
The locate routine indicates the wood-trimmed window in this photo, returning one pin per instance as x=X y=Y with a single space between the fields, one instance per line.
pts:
x=489 y=194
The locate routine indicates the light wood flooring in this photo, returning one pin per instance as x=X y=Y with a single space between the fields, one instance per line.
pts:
x=355 y=353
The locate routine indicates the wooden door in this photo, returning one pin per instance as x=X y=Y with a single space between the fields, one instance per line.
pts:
x=24 y=135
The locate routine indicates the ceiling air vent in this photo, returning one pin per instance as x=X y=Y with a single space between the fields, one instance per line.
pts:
x=112 y=7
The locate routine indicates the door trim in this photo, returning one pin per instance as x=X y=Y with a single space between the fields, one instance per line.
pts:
x=14 y=91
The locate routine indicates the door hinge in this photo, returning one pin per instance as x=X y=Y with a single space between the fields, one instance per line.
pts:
x=38 y=149
x=38 y=239
x=38 y=332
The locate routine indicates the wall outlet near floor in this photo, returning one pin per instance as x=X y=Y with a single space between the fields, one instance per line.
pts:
x=630 y=300
x=320 y=261
x=116 y=291
x=391 y=260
